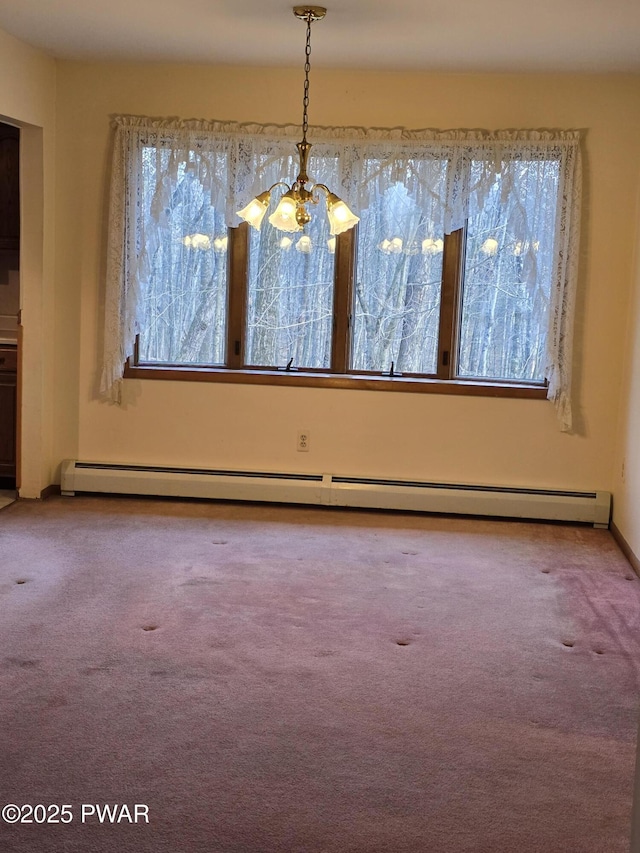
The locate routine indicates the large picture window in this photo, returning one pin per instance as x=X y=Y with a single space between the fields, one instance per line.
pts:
x=460 y=274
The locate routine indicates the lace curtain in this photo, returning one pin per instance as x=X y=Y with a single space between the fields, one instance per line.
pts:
x=234 y=162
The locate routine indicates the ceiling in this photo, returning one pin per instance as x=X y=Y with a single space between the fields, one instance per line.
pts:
x=466 y=35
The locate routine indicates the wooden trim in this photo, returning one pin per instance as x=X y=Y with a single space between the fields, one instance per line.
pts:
x=624 y=546
x=20 y=335
x=51 y=490
x=343 y=301
x=452 y=264
x=237 y=271
x=328 y=380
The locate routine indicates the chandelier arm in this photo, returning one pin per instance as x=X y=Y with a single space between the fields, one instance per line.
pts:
x=279 y=184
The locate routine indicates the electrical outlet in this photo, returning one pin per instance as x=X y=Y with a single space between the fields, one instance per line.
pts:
x=303 y=441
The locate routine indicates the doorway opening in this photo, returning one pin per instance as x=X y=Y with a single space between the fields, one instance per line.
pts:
x=9 y=305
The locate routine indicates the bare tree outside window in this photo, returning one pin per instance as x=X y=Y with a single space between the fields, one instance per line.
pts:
x=290 y=294
x=507 y=275
x=185 y=294
x=397 y=288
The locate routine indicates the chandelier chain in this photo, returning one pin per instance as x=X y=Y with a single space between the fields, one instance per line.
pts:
x=307 y=69
x=291 y=212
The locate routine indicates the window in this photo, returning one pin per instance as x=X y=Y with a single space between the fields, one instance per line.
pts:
x=184 y=302
x=398 y=284
x=289 y=296
x=459 y=276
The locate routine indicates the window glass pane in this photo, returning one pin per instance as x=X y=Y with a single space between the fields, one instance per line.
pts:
x=290 y=292
x=184 y=300
x=508 y=272
x=397 y=288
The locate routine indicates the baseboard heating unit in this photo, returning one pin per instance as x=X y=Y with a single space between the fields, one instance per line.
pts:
x=331 y=490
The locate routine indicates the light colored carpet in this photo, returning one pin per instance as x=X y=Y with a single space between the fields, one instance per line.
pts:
x=289 y=680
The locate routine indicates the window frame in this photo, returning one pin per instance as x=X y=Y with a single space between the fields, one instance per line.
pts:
x=445 y=381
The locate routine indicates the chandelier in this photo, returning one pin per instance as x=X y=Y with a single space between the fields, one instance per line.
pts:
x=291 y=214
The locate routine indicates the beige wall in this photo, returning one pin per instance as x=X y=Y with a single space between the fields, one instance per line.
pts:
x=27 y=99
x=440 y=437
x=627 y=460
x=471 y=440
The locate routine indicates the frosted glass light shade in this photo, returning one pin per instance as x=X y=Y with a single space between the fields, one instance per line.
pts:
x=340 y=217
x=197 y=241
x=284 y=216
x=490 y=246
x=254 y=212
x=432 y=247
x=304 y=244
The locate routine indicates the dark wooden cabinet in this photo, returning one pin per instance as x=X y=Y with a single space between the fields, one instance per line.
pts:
x=9 y=188
x=8 y=411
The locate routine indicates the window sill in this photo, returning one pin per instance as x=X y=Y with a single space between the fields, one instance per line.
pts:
x=308 y=379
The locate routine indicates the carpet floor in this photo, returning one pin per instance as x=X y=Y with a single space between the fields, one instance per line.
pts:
x=263 y=679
